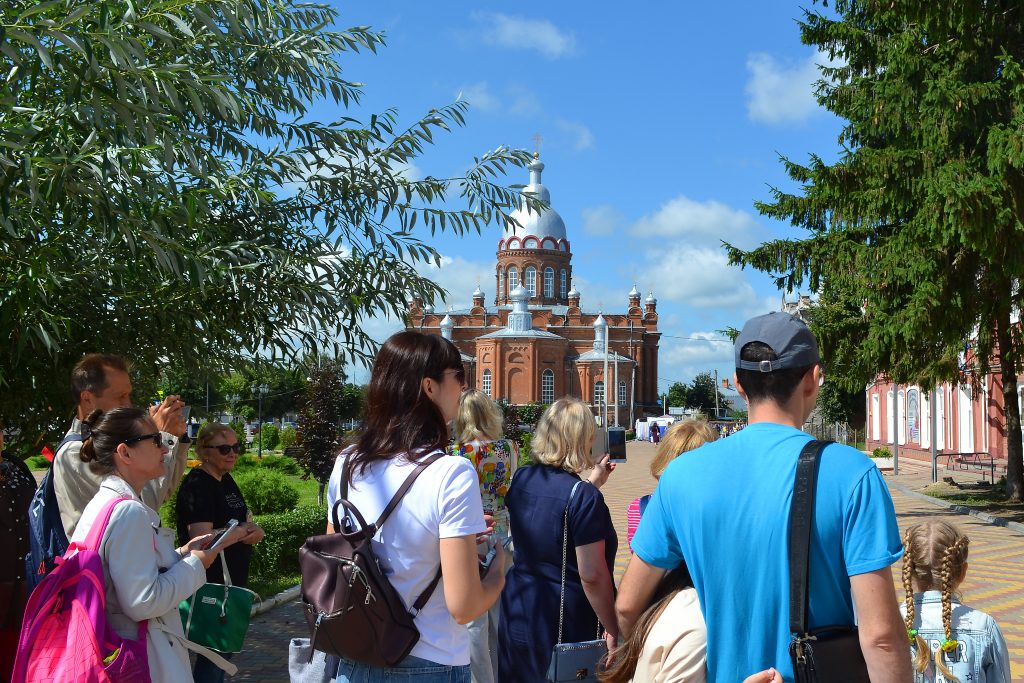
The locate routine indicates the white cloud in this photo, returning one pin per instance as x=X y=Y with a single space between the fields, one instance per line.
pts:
x=602 y=220
x=520 y=33
x=582 y=138
x=681 y=358
x=459 y=278
x=782 y=92
x=708 y=222
x=479 y=96
x=697 y=276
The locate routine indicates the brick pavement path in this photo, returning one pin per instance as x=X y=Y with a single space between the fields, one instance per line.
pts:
x=994 y=581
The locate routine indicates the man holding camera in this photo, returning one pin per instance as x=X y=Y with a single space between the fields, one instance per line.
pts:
x=101 y=381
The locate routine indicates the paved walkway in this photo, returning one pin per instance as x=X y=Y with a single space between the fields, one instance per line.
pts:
x=995 y=581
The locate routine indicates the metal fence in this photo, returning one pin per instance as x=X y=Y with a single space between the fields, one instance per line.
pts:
x=838 y=432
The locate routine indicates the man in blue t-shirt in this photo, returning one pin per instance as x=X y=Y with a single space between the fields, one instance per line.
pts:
x=724 y=510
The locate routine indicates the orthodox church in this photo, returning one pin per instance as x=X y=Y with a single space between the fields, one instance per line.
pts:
x=535 y=343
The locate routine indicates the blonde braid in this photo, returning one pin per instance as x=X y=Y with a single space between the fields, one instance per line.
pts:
x=949 y=584
x=916 y=641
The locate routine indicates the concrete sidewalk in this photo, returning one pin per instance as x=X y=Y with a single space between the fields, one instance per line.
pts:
x=995 y=580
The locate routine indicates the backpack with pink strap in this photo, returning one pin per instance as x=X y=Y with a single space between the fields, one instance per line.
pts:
x=65 y=637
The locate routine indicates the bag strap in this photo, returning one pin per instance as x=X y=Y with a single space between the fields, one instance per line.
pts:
x=224 y=568
x=565 y=551
x=801 y=520
x=99 y=526
x=372 y=529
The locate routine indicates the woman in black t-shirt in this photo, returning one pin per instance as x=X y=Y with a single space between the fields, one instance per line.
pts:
x=207 y=500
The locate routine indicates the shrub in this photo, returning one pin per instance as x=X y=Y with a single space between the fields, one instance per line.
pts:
x=266 y=491
x=881 y=453
x=278 y=552
x=630 y=435
x=524 y=451
x=37 y=462
x=270 y=435
x=276 y=463
x=241 y=434
x=168 y=511
x=287 y=437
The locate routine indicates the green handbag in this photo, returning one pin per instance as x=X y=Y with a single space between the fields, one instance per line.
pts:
x=217 y=615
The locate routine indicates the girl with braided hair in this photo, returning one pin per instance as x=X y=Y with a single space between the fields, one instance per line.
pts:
x=949 y=641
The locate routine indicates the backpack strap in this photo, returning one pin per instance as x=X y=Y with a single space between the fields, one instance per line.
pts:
x=99 y=527
x=644 y=500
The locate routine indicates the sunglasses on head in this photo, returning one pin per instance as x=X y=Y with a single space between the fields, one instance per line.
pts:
x=157 y=437
x=224 y=448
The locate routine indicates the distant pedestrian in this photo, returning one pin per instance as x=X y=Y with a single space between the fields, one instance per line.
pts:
x=948 y=640
x=478 y=427
x=725 y=508
x=537 y=502
x=655 y=433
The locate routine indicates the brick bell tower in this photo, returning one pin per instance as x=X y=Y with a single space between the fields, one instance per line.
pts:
x=535 y=253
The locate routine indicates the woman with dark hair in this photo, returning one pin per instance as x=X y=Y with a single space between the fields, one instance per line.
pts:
x=414 y=392
x=146 y=575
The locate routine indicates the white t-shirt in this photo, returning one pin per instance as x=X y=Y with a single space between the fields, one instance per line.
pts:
x=443 y=502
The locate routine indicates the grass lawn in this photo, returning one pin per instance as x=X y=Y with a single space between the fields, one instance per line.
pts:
x=990 y=499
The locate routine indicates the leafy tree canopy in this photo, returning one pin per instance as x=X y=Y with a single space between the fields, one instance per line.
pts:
x=164 y=193
x=914 y=232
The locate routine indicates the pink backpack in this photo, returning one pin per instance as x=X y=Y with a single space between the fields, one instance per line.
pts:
x=65 y=637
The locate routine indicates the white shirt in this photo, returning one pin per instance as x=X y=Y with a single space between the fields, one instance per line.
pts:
x=444 y=502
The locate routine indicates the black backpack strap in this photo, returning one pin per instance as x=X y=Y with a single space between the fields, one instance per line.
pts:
x=801 y=521
x=403 y=489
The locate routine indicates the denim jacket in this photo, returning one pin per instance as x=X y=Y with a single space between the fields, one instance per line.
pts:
x=981 y=655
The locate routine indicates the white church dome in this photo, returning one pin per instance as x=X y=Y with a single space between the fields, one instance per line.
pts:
x=539 y=224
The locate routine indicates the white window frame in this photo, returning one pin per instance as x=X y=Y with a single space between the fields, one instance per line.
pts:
x=485 y=382
x=501 y=284
x=876 y=419
x=563 y=283
x=530 y=280
x=549 y=282
x=513 y=278
x=547 y=386
x=622 y=393
x=599 y=392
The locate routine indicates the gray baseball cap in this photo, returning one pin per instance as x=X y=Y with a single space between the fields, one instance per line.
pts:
x=788 y=336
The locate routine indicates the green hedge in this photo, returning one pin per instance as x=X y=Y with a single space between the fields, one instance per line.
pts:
x=278 y=552
x=881 y=453
x=266 y=491
x=277 y=463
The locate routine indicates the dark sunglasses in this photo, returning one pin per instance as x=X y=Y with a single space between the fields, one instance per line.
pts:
x=157 y=437
x=224 y=448
x=459 y=374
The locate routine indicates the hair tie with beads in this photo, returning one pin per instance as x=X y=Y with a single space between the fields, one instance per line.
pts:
x=912 y=634
x=949 y=645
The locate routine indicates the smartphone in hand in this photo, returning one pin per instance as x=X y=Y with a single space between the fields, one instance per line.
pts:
x=219 y=538
x=485 y=564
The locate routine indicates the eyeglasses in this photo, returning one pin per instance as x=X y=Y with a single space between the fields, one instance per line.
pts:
x=224 y=448
x=459 y=374
x=157 y=437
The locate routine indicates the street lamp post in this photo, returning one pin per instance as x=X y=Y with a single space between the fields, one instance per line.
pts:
x=261 y=391
x=233 y=398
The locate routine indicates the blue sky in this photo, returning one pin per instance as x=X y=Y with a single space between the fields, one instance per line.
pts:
x=661 y=124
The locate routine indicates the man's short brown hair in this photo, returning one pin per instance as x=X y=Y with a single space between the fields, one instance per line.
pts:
x=90 y=373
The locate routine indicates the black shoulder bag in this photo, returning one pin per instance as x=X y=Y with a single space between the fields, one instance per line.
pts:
x=830 y=654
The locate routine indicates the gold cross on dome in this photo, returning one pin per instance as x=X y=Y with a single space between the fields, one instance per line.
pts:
x=537 y=140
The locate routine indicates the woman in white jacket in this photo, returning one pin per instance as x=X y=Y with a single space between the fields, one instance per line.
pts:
x=146 y=575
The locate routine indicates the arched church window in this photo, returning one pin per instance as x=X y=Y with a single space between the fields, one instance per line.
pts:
x=501 y=284
x=622 y=393
x=549 y=282
x=563 y=282
x=485 y=383
x=513 y=278
x=530 y=280
x=547 y=386
x=599 y=393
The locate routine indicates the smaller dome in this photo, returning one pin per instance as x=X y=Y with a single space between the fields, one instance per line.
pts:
x=428 y=309
x=573 y=293
x=447 y=321
x=477 y=293
x=600 y=322
x=650 y=299
x=520 y=293
x=634 y=292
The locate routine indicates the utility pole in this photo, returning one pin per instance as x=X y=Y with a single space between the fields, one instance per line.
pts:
x=716 y=393
x=933 y=418
x=261 y=391
x=895 y=429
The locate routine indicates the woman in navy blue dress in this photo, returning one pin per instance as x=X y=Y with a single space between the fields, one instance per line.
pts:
x=536 y=503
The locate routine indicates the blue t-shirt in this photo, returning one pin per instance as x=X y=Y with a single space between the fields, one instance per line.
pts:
x=724 y=508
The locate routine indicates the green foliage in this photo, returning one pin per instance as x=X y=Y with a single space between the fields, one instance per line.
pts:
x=160 y=164
x=266 y=491
x=168 y=511
x=270 y=435
x=37 y=462
x=677 y=395
x=287 y=439
x=328 y=401
x=914 y=232
x=242 y=434
x=511 y=421
x=276 y=463
x=278 y=552
x=838 y=405
x=881 y=453
x=531 y=412
x=701 y=394
x=525 y=457
x=630 y=435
